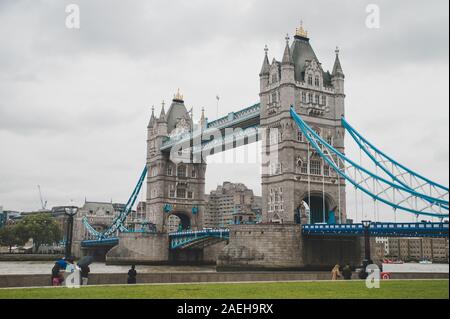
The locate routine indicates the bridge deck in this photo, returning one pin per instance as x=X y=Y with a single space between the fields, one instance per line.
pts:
x=188 y=238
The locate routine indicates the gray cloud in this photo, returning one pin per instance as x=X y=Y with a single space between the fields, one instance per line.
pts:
x=74 y=104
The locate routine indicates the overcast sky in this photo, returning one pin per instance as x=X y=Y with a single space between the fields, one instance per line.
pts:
x=74 y=104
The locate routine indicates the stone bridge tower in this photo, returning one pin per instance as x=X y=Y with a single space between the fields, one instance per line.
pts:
x=298 y=174
x=175 y=185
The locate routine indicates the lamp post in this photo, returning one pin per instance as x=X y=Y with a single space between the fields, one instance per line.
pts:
x=70 y=212
x=366 y=225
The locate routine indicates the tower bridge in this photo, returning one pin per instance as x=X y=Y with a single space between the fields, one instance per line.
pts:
x=300 y=120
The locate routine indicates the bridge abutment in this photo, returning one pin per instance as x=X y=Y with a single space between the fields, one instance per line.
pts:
x=140 y=248
x=282 y=247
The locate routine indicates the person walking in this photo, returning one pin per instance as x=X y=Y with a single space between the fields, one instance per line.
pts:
x=56 y=275
x=84 y=271
x=347 y=272
x=132 y=273
x=335 y=273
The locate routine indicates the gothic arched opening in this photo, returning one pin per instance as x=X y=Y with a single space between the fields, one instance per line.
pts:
x=318 y=213
x=181 y=222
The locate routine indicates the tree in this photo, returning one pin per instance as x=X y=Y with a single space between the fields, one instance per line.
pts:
x=11 y=235
x=42 y=228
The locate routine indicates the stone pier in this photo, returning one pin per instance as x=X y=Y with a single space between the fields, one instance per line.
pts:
x=282 y=247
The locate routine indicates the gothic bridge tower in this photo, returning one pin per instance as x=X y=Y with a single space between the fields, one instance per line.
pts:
x=299 y=175
x=175 y=187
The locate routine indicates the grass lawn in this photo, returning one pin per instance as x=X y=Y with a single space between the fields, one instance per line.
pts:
x=434 y=289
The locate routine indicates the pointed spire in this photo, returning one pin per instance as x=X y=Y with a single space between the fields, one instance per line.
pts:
x=266 y=66
x=162 y=116
x=337 y=68
x=203 y=119
x=287 y=58
x=152 y=117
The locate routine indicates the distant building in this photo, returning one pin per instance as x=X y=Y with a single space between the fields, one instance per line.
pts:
x=2 y=217
x=173 y=223
x=231 y=203
x=416 y=249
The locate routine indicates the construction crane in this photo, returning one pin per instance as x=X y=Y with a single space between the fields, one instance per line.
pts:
x=43 y=203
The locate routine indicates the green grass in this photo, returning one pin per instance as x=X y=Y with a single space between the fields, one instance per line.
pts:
x=418 y=289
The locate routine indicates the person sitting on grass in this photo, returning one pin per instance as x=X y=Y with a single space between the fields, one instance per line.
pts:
x=132 y=273
x=335 y=273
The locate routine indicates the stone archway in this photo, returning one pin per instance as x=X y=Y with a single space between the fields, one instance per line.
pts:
x=318 y=212
x=184 y=221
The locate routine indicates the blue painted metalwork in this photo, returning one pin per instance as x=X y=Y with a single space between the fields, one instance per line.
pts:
x=379 y=230
x=311 y=135
x=109 y=242
x=231 y=120
x=185 y=239
x=366 y=146
x=359 y=138
x=168 y=208
x=118 y=223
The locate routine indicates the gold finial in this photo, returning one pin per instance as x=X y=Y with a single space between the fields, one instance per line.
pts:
x=178 y=96
x=301 y=32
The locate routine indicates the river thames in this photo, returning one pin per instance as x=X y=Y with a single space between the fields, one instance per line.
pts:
x=45 y=267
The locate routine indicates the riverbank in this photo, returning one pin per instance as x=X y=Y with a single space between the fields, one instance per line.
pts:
x=29 y=257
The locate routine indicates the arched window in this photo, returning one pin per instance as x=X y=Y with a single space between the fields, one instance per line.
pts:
x=169 y=170
x=274 y=78
x=310 y=80
x=274 y=97
x=181 y=171
x=317 y=81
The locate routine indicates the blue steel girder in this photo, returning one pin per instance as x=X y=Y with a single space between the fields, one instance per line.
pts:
x=394 y=195
x=378 y=230
x=247 y=120
x=110 y=242
x=180 y=240
x=398 y=172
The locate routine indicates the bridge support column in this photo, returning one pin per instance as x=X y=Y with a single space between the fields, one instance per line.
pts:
x=283 y=247
x=140 y=248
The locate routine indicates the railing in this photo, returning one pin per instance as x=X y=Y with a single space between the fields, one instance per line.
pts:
x=380 y=229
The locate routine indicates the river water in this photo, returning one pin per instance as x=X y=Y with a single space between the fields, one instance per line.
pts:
x=44 y=267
